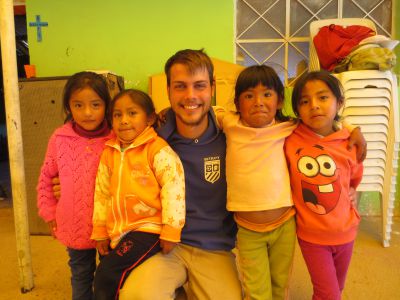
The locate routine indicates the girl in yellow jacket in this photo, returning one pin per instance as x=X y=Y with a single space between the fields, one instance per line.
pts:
x=139 y=203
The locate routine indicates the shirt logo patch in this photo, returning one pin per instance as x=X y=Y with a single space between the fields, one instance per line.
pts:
x=212 y=169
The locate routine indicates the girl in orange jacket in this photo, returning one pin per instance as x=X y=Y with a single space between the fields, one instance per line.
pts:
x=139 y=204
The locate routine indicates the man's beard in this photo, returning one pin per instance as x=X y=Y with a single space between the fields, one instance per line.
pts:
x=193 y=123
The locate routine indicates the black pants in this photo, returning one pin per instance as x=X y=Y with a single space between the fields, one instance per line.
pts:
x=134 y=248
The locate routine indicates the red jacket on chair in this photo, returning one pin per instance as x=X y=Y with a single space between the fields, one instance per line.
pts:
x=334 y=42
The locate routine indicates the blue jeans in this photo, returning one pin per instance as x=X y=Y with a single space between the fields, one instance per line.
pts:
x=83 y=266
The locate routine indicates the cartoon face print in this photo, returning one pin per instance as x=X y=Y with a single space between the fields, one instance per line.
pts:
x=124 y=247
x=319 y=179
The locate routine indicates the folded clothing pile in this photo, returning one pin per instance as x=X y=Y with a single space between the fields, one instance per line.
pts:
x=353 y=47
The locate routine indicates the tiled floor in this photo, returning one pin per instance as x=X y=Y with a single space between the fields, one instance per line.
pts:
x=374 y=272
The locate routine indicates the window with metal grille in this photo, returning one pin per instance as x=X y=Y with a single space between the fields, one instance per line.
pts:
x=276 y=32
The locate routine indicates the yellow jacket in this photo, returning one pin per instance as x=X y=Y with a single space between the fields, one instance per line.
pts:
x=141 y=188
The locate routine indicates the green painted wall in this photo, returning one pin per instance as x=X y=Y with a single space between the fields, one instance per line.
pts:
x=132 y=38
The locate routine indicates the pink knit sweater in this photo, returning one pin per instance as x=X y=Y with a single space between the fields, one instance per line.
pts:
x=75 y=160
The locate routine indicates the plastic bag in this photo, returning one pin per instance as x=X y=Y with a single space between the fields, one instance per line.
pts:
x=370 y=58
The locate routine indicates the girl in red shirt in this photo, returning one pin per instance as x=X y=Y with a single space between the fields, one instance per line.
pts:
x=322 y=171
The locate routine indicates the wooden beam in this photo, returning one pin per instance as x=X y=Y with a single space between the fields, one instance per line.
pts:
x=15 y=149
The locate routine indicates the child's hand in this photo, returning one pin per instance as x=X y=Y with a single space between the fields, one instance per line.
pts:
x=53 y=227
x=162 y=116
x=56 y=187
x=167 y=246
x=353 y=197
x=103 y=247
x=357 y=139
x=219 y=112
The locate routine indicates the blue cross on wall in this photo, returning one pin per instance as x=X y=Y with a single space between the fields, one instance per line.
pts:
x=39 y=26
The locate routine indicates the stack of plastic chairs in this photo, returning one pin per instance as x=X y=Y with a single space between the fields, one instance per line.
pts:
x=371 y=102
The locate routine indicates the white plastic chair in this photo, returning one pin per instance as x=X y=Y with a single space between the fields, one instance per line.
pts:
x=368 y=93
x=367 y=128
x=374 y=171
x=367 y=84
x=366 y=111
x=374 y=162
x=371 y=101
x=376 y=137
x=376 y=146
x=363 y=102
x=358 y=120
x=370 y=187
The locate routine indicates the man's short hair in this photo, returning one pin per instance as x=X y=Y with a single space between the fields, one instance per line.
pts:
x=193 y=60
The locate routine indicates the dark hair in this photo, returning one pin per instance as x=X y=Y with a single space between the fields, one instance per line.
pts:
x=255 y=75
x=82 y=80
x=138 y=97
x=193 y=60
x=331 y=81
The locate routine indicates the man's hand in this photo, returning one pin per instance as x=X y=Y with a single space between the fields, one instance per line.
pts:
x=53 y=227
x=357 y=139
x=167 y=246
x=103 y=247
x=56 y=187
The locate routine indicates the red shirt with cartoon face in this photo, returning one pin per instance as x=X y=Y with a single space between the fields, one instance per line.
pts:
x=321 y=172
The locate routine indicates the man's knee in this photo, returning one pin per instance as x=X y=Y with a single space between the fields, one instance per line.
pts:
x=150 y=293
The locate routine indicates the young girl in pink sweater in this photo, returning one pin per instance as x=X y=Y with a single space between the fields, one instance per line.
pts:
x=73 y=155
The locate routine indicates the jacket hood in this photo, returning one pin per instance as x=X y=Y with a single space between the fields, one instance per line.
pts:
x=147 y=135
